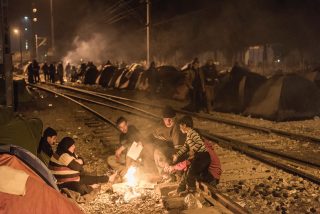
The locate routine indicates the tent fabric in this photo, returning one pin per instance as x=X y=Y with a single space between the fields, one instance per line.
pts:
x=13 y=181
x=314 y=77
x=236 y=89
x=286 y=97
x=31 y=161
x=106 y=75
x=20 y=131
x=170 y=79
x=39 y=197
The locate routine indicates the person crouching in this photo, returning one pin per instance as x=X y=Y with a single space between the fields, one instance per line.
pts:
x=198 y=156
x=67 y=168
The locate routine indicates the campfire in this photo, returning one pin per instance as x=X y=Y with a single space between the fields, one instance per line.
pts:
x=132 y=183
x=132 y=187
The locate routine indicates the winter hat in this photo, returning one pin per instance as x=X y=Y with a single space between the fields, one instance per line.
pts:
x=168 y=112
x=49 y=132
x=64 y=145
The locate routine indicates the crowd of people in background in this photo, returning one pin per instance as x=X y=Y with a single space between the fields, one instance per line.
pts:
x=199 y=80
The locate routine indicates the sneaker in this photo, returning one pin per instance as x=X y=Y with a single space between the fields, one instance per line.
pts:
x=186 y=192
x=173 y=193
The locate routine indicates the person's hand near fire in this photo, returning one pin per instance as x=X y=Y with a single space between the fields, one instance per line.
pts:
x=119 y=152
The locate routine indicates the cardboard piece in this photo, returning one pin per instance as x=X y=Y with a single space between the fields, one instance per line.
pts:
x=135 y=150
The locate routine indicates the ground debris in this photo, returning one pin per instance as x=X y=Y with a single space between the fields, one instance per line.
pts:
x=109 y=202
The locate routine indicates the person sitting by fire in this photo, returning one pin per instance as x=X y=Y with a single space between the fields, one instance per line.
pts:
x=210 y=176
x=198 y=156
x=166 y=139
x=128 y=134
x=67 y=167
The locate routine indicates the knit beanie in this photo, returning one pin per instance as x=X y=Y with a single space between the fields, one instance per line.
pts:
x=168 y=112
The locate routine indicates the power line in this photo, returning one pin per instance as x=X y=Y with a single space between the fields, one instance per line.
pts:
x=116 y=9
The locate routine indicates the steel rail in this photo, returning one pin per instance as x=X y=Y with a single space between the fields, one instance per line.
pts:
x=260 y=149
x=270 y=151
x=105 y=95
x=227 y=202
x=73 y=100
x=288 y=134
x=106 y=105
x=267 y=151
x=263 y=158
x=105 y=98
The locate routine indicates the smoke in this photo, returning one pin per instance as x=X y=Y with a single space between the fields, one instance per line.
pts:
x=94 y=49
x=204 y=30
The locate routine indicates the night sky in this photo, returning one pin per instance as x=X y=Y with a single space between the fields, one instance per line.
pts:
x=192 y=26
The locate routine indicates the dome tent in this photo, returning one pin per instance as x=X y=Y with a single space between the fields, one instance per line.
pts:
x=285 y=97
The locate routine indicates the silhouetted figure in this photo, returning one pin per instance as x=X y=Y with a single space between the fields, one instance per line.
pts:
x=91 y=74
x=68 y=71
x=195 y=83
x=30 y=74
x=52 y=72
x=153 y=79
x=45 y=70
x=74 y=76
x=60 y=72
x=36 y=70
x=210 y=78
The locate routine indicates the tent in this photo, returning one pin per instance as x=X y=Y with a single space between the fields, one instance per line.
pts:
x=106 y=74
x=20 y=131
x=36 y=192
x=314 y=76
x=285 y=97
x=170 y=79
x=235 y=90
x=129 y=78
x=115 y=80
x=91 y=74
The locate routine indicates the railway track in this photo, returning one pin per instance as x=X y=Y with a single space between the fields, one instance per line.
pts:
x=292 y=135
x=259 y=145
x=236 y=144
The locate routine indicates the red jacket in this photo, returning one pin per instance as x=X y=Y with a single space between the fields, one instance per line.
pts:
x=214 y=167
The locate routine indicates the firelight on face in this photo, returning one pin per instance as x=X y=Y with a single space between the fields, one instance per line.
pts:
x=168 y=122
x=123 y=127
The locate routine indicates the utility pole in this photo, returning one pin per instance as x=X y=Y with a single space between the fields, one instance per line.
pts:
x=20 y=48
x=36 y=42
x=148 y=32
x=5 y=53
x=52 y=28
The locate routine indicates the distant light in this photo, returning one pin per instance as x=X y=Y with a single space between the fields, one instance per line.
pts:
x=278 y=60
x=26 y=18
x=35 y=19
x=16 y=31
x=34 y=10
x=27 y=45
x=26 y=29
